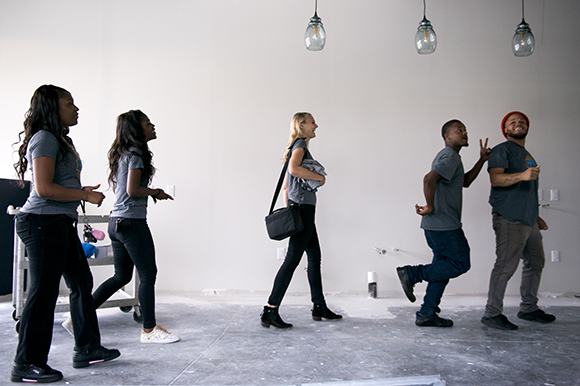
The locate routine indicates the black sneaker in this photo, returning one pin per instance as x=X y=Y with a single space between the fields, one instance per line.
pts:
x=34 y=374
x=433 y=321
x=537 y=316
x=500 y=322
x=93 y=356
x=406 y=283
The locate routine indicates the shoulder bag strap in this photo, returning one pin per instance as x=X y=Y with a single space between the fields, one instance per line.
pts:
x=281 y=179
x=279 y=186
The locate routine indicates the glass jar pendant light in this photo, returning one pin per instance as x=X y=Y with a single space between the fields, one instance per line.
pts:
x=315 y=36
x=425 y=38
x=523 y=42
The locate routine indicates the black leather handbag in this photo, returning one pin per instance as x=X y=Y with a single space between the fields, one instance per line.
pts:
x=283 y=222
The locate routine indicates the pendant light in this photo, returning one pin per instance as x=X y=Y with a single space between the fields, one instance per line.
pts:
x=425 y=38
x=315 y=36
x=523 y=42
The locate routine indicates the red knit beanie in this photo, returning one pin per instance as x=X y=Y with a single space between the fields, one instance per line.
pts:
x=506 y=118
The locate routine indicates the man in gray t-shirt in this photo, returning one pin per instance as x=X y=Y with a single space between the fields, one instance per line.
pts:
x=514 y=201
x=441 y=222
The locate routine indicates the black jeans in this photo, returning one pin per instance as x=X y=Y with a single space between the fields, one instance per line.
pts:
x=305 y=241
x=54 y=250
x=132 y=247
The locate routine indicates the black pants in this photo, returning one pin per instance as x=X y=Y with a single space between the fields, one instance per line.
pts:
x=132 y=247
x=305 y=241
x=54 y=250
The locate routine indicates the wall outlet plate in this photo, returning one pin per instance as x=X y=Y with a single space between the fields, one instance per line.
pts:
x=281 y=254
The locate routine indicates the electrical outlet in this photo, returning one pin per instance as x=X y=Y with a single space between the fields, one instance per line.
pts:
x=554 y=195
x=540 y=195
x=555 y=256
x=171 y=190
x=281 y=255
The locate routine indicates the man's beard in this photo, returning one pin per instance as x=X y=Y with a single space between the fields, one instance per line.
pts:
x=517 y=136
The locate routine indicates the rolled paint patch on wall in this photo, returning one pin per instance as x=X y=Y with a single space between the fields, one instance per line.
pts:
x=372 y=278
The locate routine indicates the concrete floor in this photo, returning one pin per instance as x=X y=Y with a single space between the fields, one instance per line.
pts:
x=375 y=344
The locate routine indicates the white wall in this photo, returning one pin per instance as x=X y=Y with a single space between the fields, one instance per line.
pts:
x=222 y=79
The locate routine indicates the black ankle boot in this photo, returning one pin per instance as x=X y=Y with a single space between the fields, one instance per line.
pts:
x=320 y=311
x=271 y=317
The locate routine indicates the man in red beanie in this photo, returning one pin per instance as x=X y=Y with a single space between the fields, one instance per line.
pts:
x=514 y=200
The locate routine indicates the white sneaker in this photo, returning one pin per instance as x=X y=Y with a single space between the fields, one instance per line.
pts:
x=158 y=335
x=67 y=324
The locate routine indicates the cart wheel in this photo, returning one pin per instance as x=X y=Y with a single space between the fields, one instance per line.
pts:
x=14 y=315
x=137 y=315
x=125 y=308
x=17 y=326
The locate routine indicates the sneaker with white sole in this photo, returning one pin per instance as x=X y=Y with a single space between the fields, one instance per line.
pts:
x=67 y=324
x=158 y=335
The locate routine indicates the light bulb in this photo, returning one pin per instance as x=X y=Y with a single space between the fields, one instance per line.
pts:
x=315 y=36
x=523 y=42
x=425 y=38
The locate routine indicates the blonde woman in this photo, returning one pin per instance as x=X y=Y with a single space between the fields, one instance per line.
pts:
x=296 y=191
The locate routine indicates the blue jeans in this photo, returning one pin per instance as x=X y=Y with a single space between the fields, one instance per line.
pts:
x=54 y=250
x=132 y=247
x=450 y=259
x=305 y=241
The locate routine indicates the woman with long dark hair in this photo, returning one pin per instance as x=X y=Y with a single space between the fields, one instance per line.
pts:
x=47 y=226
x=296 y=192
x=131 y=172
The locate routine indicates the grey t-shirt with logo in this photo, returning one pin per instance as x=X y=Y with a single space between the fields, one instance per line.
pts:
x=446 y=215
x=125 y=205
x=67 y=173
x=296 y=192
x=518 y=202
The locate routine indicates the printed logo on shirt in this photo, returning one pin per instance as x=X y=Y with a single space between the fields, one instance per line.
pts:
x=79 y=165
x=530 y=162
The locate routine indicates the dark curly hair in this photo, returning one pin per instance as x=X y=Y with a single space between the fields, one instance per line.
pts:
x=43 y=114
x=130 y=135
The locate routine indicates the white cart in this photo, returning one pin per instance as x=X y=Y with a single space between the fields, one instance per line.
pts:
x=122 y=299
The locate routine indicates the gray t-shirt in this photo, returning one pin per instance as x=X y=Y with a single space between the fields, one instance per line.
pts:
x=446 y=215
x=296 y=192
x=518 y=202
x=125 y=205
x=67 y=173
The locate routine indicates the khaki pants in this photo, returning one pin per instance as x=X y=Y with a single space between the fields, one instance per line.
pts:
x=515 y=241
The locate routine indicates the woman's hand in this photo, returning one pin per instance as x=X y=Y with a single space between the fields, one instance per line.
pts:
x=161 y=195
x=92 y=196
x=323 y=180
